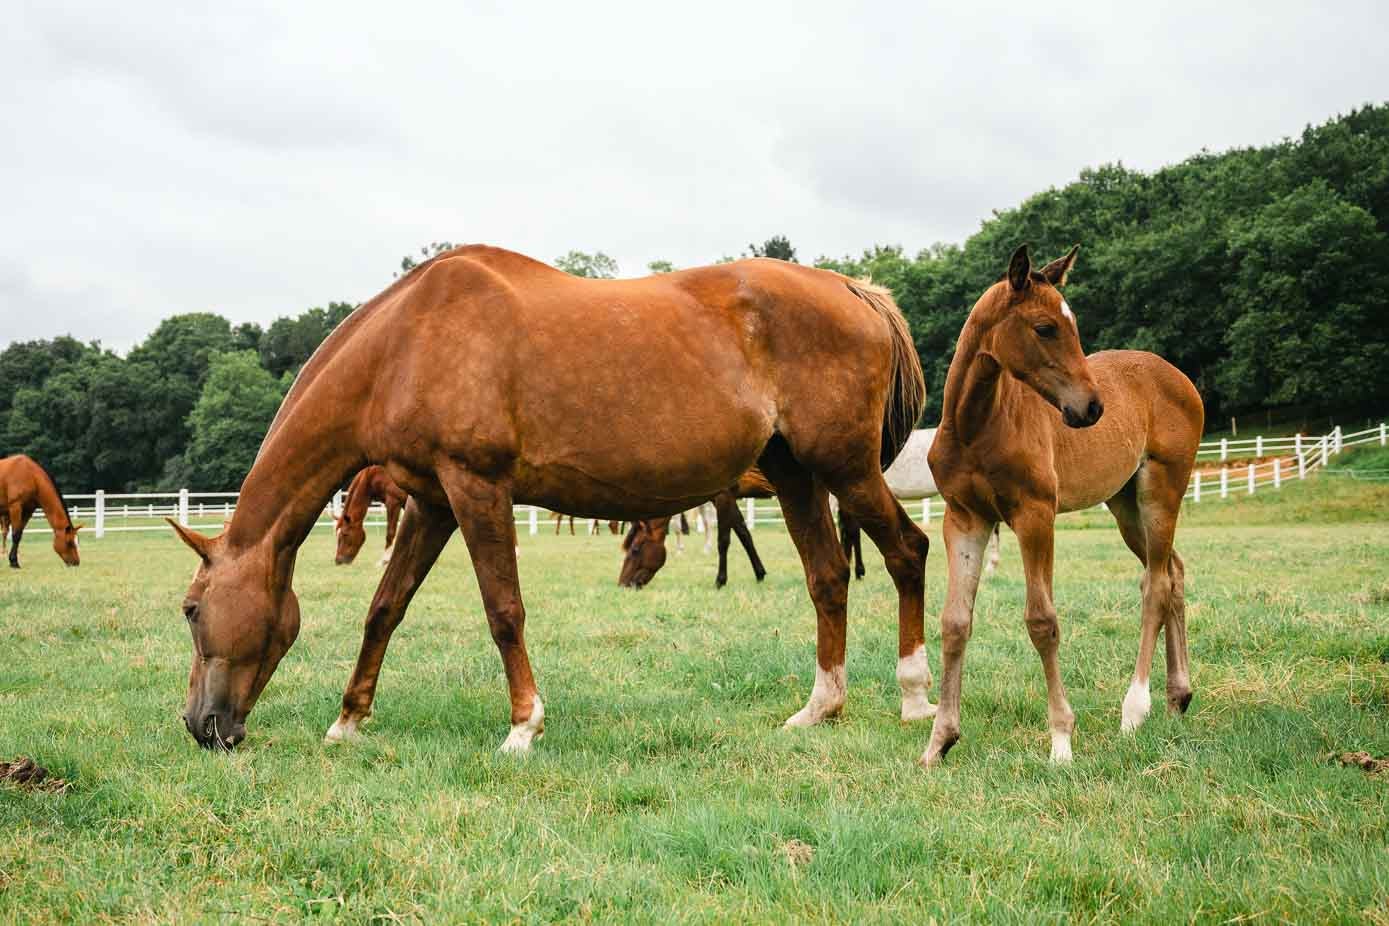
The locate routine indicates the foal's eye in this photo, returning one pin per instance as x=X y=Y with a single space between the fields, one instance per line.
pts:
x=1046 y=332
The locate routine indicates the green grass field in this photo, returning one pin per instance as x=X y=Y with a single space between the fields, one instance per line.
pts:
x=664 y=788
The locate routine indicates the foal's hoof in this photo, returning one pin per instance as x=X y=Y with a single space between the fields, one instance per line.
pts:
x=1061 y=748
x=1178 y=702
x=914 y=710
x=518 y=741
x=1137 y=703
x=343 y=730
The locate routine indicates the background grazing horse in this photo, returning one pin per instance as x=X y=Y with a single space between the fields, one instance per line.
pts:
x=372 y=484
x=644 y=547
x=469 y=379
x=24 y=487
x=1030 y=426
x=910 y=479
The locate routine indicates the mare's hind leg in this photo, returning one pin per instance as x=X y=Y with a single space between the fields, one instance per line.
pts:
x=904 y=547
x=806 y=510
x=1146 y=511
x=483 y=510
x=18 y=519
x=423 y=534
x=740 y=530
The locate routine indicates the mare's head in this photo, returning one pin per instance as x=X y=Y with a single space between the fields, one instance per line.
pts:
x=645 y=547
x=352 y=534
x=242 y=622
x=1037 y=340
x=65 y=544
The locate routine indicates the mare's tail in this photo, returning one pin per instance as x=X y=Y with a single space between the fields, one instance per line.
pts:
x=907 y=394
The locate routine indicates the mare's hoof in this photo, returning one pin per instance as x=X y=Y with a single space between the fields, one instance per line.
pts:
x=343 y=731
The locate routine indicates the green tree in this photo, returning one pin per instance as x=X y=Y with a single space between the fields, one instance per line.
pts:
x=660 y=266
x=595 y=266
x=777 y=246
x=236 y=406
x=289 y=342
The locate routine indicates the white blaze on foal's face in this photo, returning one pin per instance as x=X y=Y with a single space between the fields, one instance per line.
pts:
x=1066 y=311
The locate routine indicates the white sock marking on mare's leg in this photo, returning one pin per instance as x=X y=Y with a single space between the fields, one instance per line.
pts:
x=1137 y=703
x=343 y=731
x=524 y=733
x=1060 y=746
x=914 y=678
x=826 y=698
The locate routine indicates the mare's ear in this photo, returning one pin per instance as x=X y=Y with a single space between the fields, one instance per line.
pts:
x=1020 y=269
x=77 y=527
x=198 y=543
x=1057 y=271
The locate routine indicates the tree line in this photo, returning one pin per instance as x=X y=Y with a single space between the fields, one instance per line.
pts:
x=1263 y=273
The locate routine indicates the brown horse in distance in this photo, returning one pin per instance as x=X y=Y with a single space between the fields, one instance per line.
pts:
x=1120 y=427
x=644 y=547
x=25 y=486
x=470 y=380
x=372 y=484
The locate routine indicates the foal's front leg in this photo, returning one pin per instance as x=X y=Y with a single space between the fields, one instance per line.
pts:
x=483 y=510
x=1035 y=527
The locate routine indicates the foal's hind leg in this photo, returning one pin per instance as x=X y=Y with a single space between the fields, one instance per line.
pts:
x=1146 y=511
x=904 y=547
x=423 y=533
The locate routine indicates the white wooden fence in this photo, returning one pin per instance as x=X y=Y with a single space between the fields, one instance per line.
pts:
x=1292 y=458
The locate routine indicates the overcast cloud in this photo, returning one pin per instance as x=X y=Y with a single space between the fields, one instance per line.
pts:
x=258 y=161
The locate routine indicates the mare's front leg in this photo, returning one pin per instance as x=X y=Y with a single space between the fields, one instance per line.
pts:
x=18 y=521
x=1035 y=526
x=966 y=535
x=482 y=508
x=423 y=533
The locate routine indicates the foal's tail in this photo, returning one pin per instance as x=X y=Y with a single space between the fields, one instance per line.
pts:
x=907 y=394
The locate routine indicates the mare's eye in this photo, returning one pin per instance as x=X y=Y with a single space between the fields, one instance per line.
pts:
x=1046 y=332
x=190 y=611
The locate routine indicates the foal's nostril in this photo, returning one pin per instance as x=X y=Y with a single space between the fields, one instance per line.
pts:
x=1095 y=410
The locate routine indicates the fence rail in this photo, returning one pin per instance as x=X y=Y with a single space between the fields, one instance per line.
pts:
x=1291 y=458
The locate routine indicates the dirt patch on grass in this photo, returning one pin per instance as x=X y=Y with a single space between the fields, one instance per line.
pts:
x=24 y=772
x=1365 y=761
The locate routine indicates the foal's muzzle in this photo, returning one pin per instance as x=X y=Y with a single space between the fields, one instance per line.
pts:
x=1083 y=419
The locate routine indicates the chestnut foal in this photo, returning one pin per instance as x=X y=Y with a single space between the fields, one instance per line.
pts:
x=1032 y=427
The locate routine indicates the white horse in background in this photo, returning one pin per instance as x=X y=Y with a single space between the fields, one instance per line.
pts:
x=910 y=479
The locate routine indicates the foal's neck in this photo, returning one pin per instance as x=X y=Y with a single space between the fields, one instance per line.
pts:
x=976 y=385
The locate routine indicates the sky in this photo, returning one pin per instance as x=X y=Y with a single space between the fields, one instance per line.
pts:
x=258 y=160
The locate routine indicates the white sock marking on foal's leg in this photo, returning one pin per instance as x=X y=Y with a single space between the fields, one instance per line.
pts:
x=523 y=733
x=343 y=731
x=914 y=678
x=826 y=698
x=1137 y=703
x=1060 y=746
x=385 y=556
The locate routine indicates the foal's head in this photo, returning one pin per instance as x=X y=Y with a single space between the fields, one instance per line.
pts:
x=645 y=546
x=1037 y=341
x=241 y=628
x=352 y=534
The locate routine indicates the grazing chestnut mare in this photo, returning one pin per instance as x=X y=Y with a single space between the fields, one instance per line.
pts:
x=24 y=487
x=470 y=380
x=645 y=544
x=372 y=484
x=1031 y=427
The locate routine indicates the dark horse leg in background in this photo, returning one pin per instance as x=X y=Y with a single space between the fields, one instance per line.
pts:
x=731 y=519
x=19 y=519
x=851 y=537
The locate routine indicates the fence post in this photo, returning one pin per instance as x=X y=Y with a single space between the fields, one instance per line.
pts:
x=1224 y=482
x=534 y=521
x=1224 y=449
x=1382 y=435
x=752 y=513
x=337 y=504
x=1251 y=478
x=1259 y=446
x=925 y=511
x=1277 y=473
x=100 y=513
x=183 y=507
x=1337 y=439
x=1301 y=465
x=1297 y=443
x=1196 y=496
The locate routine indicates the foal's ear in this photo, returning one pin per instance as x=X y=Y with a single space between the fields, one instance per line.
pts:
x=1020 y=269
x=1057 y=271
x=198 y=543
